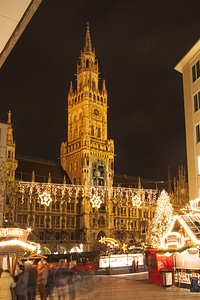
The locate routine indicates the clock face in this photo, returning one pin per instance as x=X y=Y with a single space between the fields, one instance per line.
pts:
x=96 y=112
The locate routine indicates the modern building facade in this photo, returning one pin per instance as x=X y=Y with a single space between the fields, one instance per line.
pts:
x=189 y=67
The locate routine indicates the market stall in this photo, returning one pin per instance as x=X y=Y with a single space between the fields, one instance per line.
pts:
x=122 y=263
x=13 y=242
x=158 y=263
x=183 y=240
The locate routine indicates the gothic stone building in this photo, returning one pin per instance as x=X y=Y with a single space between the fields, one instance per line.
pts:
x=81 y=200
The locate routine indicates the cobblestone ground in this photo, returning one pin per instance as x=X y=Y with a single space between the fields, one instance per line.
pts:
x=122 y=287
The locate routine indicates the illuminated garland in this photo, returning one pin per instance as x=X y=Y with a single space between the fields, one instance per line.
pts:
x=45 y=193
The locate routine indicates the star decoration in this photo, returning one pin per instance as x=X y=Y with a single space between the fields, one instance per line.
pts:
x=104 y=240
x=96 y=201
x=136 y=201
x=125 y=247
x=45 y=198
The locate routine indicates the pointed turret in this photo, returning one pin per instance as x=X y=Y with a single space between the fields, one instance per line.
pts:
x=169 y=181
x=10 y=130
x=139 y=183
x=9 y=117
x=33 y=176
x=49 y=178
x=71 y=88
x=88 y=44
x=11 y=162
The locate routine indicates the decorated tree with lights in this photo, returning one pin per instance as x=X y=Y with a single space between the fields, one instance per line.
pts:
x=162 y=219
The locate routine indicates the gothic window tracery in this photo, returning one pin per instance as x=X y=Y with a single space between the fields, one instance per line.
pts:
x=92 y=130
x=93 y=84
x=101 y=222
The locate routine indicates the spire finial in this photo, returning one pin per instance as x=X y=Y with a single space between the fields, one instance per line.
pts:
x=9 y=117
x=88 y=44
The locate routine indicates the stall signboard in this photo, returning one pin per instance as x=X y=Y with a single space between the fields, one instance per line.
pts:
x=121 y=260
x=188 y=259
x=9 y=233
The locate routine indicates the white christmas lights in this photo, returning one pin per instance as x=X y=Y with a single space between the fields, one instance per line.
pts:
x=45 y=193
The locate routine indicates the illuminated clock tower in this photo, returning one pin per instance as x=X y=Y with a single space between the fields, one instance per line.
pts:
x=88 y=156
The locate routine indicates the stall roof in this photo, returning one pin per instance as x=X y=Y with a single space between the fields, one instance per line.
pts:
x=190 y=223
x=11 y=249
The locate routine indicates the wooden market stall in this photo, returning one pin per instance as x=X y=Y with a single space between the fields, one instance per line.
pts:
x=183 y=240
x=13 y=242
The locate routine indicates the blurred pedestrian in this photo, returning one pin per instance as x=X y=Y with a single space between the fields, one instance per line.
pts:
x=32 y=281
x=43 y=272
x=6 y=285
x=71 y=281
x=61 y=280
x=50 y=282
x=22 y=282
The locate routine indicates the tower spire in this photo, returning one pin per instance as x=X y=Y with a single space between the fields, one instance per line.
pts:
x=9 y=117
x=88 y=44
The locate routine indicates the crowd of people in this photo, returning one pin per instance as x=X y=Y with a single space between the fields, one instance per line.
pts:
x=53 y=281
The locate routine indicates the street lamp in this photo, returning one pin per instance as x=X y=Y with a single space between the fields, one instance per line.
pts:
x=161 y=181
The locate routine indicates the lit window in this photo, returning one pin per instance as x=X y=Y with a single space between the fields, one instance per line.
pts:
x=196 y=71
x=198 y=133
x=197 y=101
x=198 y=164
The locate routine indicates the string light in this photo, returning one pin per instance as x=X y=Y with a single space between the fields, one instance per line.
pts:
x=29 y=246
x=48 y=192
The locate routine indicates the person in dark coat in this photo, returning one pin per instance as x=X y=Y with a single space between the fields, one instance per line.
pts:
x=32 y=281
x=22 y=282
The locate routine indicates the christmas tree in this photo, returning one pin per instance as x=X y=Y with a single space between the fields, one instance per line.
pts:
x=162 y=219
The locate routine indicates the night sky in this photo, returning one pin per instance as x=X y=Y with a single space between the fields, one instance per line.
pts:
x=137 y=44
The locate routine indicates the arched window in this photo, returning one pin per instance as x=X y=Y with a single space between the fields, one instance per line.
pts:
x=93 y=84
x=99 y=132
x=102 y=207
x=101 y=222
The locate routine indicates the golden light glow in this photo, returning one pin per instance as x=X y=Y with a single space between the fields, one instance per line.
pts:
x=195 y=204
x=29 y=246
x=136 y=201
